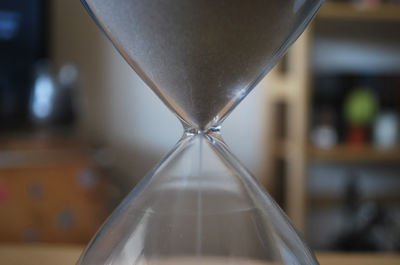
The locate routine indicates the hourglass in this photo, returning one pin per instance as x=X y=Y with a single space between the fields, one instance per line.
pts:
x=200 y=205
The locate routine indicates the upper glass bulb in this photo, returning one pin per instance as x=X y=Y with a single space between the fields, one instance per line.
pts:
x=202 y=57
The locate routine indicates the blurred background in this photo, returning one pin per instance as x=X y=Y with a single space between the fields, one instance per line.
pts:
x=79 y=129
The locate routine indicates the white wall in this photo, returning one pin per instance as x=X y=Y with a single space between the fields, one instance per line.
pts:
x=120 y=111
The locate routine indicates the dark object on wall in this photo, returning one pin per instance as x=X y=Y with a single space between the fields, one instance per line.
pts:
x=23 y=36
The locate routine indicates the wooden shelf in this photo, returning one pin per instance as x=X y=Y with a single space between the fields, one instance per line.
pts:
x=319 y=201
x=349 y=11
x=345 y=153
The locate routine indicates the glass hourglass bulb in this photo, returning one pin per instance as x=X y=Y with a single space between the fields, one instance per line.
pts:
x=200 y=205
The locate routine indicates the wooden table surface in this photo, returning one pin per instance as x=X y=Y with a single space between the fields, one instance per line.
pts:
x=68 y=255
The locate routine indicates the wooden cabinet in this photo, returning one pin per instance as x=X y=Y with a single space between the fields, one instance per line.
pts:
x=50 y=191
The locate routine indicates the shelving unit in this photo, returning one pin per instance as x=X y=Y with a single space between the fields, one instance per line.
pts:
x=289 y=94
x=287 y=109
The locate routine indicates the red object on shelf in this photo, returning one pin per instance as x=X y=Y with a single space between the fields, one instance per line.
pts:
x=357 y=136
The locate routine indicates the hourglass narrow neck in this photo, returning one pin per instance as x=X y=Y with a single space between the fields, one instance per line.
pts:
x=190 y=131
x=211 y=132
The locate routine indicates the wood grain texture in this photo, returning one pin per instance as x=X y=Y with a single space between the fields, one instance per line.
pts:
x=68 y=255
x=362 y=154
x=348 y=11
